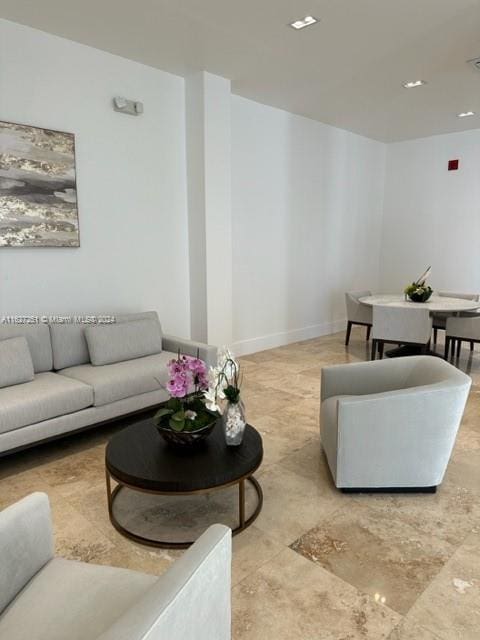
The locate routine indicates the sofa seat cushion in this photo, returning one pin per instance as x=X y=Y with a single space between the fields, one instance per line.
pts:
x=112 y=382
x=47 y=396
x=72 y=600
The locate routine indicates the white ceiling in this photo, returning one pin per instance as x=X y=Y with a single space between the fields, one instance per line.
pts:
x=347 y=70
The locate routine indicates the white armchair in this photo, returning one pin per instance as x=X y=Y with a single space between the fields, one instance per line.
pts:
x=391 y=424
x=47 y=598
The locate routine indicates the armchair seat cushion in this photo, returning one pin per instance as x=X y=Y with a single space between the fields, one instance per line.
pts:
x=72 y=600
x=47 y=396
x=112 y=382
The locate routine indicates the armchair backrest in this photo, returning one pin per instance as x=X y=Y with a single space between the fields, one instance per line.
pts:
x=410 y=324
x=464 y=296
x=356 y=311
x=463 y=327
x=26 y=544
x=192 y=600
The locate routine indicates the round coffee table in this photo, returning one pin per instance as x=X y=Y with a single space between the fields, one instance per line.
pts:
x=138 y=458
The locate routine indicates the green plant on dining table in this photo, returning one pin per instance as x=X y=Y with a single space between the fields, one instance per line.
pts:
x=418 y=291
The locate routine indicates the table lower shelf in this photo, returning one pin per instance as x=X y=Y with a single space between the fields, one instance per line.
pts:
x=213 y=505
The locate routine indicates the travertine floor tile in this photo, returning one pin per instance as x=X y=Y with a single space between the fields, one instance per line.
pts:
x=377 y=552
x=408 y=631
x=290 y=598
x=292 y=503
x=252 y=549
x=450 y=606
x=451 y=514
x=279 y=439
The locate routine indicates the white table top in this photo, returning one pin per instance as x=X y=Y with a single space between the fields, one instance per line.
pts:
x=435 y=303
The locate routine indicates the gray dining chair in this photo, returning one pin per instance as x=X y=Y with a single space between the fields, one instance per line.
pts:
x=459 y=329
x=401 y=326
x=440 y=317
x=357 y=313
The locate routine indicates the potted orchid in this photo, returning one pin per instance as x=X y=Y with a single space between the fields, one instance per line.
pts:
x=223 y=396
x=185 y=419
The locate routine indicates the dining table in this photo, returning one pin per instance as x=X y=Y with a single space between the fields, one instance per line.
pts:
x=435 y=304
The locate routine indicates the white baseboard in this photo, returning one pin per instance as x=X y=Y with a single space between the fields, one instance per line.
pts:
x=252 y=345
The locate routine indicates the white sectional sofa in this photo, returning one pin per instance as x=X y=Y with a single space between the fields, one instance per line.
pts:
x=57 y=378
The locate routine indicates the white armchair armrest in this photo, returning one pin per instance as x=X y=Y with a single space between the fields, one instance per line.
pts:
x=26 y=544
x=191 y=601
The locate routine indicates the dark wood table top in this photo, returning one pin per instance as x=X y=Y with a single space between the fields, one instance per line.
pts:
x=140 y=457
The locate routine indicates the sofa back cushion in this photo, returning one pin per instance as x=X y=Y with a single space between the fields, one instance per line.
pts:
x=38 y=339
x=16 y=364
x=123 y=341
x=69 y=344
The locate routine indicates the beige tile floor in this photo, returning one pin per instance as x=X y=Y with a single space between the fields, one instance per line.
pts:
x=317 y=564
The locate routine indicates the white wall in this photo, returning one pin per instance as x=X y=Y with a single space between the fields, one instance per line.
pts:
x=431 y=215
x=130 y=177
x=307 y=214
x=208 y=115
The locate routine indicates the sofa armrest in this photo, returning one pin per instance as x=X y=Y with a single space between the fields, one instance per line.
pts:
x=26 y=544
x=361 y=378
x=192 y=600
x=206 y=352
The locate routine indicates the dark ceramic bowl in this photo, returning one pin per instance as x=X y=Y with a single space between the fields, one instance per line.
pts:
x=420 y=298
x=186 y=438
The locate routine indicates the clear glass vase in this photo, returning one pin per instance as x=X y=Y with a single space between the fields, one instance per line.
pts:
x=233 y=422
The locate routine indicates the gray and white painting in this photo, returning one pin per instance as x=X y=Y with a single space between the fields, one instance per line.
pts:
x=38 y=194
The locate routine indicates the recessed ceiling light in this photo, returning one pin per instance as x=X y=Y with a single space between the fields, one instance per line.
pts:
x=304 y=22
x=414 y=83
x=465 y=114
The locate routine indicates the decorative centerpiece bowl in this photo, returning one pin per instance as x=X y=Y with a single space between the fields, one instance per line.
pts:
x=184 y=420
x=186 y=438
x=418 y=291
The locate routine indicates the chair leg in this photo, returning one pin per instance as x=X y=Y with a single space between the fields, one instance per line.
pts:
x=447 y=347
x=471 y=345
x=381 y=347
x=435 y=336
x=369 y=328
x=349 y=331
x=459 y=347
x=374 y=350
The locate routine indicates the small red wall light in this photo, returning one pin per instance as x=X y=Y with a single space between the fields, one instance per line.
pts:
x=453 y=165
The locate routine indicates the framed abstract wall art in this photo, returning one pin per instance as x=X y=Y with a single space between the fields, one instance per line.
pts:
x=38 y=190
